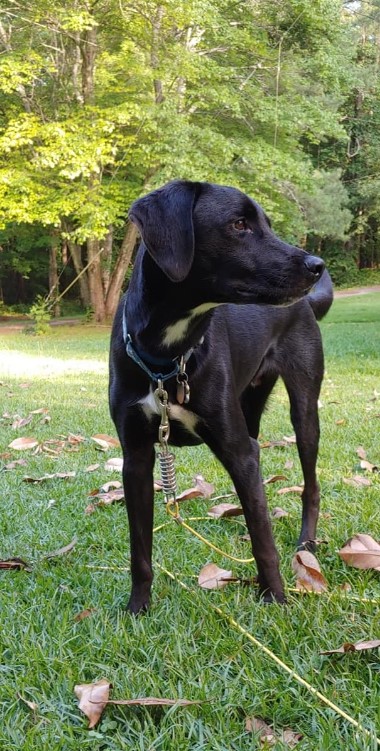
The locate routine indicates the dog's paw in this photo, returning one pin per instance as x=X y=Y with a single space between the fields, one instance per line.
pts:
x=137 y=606
x=270 y=598
x=309 y=545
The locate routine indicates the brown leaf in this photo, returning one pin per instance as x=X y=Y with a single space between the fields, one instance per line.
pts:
x=361 y=551
x=20 y=422
x=23 y=444
x=290 y=439
x=40 y=411
x=364 y=464
x=151 y=701
x=225 y=510
x=106 y=499
x=274 y=478
x=62 y=551
x=93 y=699
x=291 y=489
x=16 y=463
x=308 y=572
x=206 y=488
x=272 y=444
x=358 y=481
x=361 y=452
x=278 y=512
x=111 y=485
x=114 y=465
x=340 y=422
x=358 y=646
x=84 y=614
x=17 y=564
x=105 y=441
x=189 y=493
x=289 y=464
x=55 y=476
x=157 y=485
x=211 y=577
x=267 y=735
x=24 y=385
x=92 y=468
x=74 y=439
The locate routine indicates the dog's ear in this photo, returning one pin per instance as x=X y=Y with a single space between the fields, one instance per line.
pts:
x=165 y=220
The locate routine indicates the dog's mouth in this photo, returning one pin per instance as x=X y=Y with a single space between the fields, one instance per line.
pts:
x=272 y=296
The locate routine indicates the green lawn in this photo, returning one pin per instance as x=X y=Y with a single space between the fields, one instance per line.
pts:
x=183 y=648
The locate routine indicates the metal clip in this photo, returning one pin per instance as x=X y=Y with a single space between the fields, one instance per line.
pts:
x=183 y=388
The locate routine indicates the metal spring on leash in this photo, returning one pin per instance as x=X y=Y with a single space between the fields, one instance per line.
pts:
x=166 y=460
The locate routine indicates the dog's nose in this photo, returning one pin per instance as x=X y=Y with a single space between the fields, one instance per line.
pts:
x=315 y=265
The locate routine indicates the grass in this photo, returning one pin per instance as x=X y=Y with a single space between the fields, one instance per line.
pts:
x=183 y=648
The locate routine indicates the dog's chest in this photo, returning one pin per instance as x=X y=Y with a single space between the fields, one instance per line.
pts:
x=178 y=414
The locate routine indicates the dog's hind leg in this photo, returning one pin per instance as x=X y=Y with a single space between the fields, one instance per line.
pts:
x=303 y=394
x=253 y=401
x=239 y=455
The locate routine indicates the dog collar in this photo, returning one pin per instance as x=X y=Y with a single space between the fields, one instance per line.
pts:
x=146 y=362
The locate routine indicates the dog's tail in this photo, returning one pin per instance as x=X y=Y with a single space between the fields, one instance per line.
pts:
x=321 y=296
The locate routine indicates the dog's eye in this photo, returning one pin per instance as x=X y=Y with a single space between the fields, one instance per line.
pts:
x=240 y=225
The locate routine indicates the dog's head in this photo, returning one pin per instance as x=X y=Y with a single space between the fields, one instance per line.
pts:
x=218 y=239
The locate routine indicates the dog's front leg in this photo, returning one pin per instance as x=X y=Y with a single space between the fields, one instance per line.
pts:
x=138 y=489
x=240 y=456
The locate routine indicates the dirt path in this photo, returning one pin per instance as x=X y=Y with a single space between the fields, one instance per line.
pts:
x=357 y=291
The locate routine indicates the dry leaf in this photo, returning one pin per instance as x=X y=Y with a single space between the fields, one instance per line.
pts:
x=24 y=385
x=93 y=699
x=23 y=444
x=267 y=735
x=20 y=422
x=225 y=510
x=358 y=646
x=31 y=704
x=111 y=485
x=274 y=478
x=40 y=411
x=361 y=551
x=291 y=489
x=278 y=512
x=92 y=468
x=17 y=564
x=157 y=485
x=290 y=439
x=62 y=551
x=105 y=441
x=361 y=452
x=205 y=487
x=55 y=476
x=308 y=572
x=289 y=464
x=358 y=481
x=16 y=463
x=364 y=464
x=151 y=701
x=340 y=422
x=84 y=614
x=114 y=465
x=72 y=438
x=211 y=577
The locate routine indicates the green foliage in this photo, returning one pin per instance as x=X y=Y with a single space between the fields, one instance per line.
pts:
x=40 y=315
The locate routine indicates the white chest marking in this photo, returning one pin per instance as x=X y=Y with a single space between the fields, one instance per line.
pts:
x=176 y=331
x=187 y=419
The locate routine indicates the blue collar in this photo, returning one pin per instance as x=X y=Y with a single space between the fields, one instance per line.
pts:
x=144 y=360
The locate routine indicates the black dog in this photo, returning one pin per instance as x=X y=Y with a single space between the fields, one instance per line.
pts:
x=203 y=246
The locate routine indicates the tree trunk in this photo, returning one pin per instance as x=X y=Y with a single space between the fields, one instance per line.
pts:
x=53 y=277
x=94 y=273
x=118 y=274
x=84 y=291
x=106 y=260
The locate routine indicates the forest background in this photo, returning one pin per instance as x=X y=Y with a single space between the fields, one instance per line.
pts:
x=103 y=101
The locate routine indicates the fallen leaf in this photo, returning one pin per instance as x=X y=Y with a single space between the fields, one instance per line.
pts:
x=16 y=463
x=93 y=699
x=40 y=411
x=24 y=385
x=267 y=735
x=105 y=499
x=308 y=572
x=278 y=512
x=211 y=577
x=358 y=646
x=111 y=485
x=23 y=444
x=291 y=489
x=361 y=452
x=289 y=464
x=62 y=551
x=92 y=468
x=114 y=465
x=361 y=551
x=105 y=441
x=364 y=464
x=20 y=422
x=274 y=478
x=206 y=488
x=158 y=485
x=17 y=564
x=74 y=439
x=340 y=422
x=151 y=701
x=55 y=476
x=84 y=614
x=225 y=510
x=290 y=439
